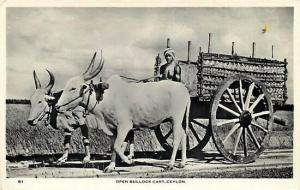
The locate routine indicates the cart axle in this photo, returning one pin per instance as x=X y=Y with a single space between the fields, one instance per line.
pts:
x=245 y=118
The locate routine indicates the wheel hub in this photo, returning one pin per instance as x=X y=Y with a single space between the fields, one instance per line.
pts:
x=245 y=118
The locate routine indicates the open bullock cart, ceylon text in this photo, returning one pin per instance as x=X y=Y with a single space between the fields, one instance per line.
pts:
x=233 y=99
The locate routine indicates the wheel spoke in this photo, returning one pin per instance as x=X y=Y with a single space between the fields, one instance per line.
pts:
x=245 y=142
x=247 y=103
x=260 y=127
x=260 y=114
x=228 y=121
x=229 y=110
x=232 y=130
x=195 y=133
x=198 y=123
x=233 y=100
x=237 y=141
x=169 y=133
x=240 y=115
x=241 y=95
x=253 y=137
x=256 y=102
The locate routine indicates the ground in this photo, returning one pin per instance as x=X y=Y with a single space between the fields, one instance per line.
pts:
x=271 y=164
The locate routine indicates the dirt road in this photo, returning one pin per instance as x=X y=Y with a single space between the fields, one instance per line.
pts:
x=272 y=163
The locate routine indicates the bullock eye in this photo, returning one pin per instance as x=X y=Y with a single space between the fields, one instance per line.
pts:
x=39 y=102
x=72 y=89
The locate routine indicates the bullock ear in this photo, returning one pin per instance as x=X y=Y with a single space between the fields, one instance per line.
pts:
x=105 y=85
x=99 y=90
x=49 y=98
x=82 y=90
x=100 y=87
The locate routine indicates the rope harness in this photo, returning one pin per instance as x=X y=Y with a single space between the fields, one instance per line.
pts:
x=50 y=106
x=86 y=107
x=89 y=90
x=43 y=113
x=52 y=111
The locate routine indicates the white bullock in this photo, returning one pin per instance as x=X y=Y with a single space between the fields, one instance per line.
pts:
x=120 y=106
x=42 y=101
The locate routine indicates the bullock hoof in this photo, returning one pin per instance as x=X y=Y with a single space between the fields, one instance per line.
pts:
x=61 y=160
x=86 y=159
x=169 y=168
x=109 y=169
x=130 y=156
x=181 y=165
x=129 y=161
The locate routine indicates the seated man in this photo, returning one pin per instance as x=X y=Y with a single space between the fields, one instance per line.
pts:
x=171 y=69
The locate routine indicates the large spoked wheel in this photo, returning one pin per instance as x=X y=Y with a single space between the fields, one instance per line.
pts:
x=241 y=116
x=198 y=135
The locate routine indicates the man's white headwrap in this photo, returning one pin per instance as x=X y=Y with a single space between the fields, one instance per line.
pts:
x=169 y=51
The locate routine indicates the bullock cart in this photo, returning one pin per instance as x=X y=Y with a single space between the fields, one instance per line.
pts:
x=233 y=99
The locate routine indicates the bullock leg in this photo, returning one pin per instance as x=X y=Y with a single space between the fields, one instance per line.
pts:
x=62 y=119
x=183 y=151
x=177 y=132
x=122 y=133
x=124 y=145
x=67 y=140
x=131 y=144
x=129 y=140
x=111 y=167
x=86 y=143
x=81 y=121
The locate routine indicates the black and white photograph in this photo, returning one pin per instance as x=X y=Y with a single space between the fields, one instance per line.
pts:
x=149 y=94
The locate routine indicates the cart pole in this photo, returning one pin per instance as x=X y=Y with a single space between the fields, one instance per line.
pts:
x=272 y=51
x=189 y=52
x=232 y=48
x=157 y=66
x=168 y=42
x=253 y=49
x=209 y=41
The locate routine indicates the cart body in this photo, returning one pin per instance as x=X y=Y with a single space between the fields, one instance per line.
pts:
x=237 y=96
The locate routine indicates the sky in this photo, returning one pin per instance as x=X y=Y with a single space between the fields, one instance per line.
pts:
x=63 y=40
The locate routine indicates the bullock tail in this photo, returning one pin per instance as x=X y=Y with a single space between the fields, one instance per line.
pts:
x=187 y=115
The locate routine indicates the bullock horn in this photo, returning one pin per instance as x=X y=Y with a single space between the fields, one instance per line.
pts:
x=47 y=98
x=91 y=65
x=51 y=82
x=96 y=71
x=36 y=80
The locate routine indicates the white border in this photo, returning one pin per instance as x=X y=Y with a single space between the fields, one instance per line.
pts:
x=86 y=183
